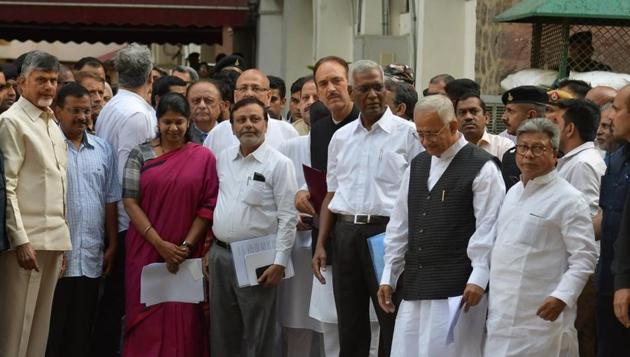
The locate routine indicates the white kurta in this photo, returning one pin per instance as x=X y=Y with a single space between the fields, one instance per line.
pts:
x=422 y=326
x=544 y=247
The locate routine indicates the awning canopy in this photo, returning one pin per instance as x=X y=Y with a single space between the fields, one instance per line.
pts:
x=599 y=12
x=116 y=21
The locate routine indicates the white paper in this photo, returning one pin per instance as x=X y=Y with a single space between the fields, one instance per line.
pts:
x=254 y=261
x=158 y=285
x=454 y=310
x=242 y=248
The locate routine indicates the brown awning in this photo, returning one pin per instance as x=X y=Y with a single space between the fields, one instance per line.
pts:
x=145 y=21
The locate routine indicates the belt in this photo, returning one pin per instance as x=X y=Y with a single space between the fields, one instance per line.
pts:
x=362 y=219
x=221 y=244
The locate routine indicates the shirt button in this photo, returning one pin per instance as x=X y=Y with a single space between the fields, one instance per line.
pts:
x=419 y=249
x=421 y=231
x=419 y=266
x=424 y=213
x=429 y=197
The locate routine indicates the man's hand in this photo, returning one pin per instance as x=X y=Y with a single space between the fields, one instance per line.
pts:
x=301 y=226
x=319 y=263
x=385 y=298
x=272 y=276
x=550 y=308
x=303 y=203
x=621 y=302
x=172 y=254
x=108 y=259
x=472 y=295
x=26 y=256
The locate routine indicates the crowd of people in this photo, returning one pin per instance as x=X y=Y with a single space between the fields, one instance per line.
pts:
x=527 y=232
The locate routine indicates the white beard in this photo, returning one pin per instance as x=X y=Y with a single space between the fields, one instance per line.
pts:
x=44 y=102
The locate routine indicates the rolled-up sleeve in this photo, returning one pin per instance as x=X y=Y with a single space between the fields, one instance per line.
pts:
x=131 y=174
x=210 y=189
x=13 y=151
x=284 y=190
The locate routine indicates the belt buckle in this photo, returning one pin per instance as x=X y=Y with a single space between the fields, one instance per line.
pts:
x=357 y=221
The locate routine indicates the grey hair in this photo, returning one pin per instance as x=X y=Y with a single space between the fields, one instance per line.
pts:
x=441 y=77
x=194 y=76
x=439 y=104
x=134 y=65
x=544 y=126
x=40 y=60
x=362 y=66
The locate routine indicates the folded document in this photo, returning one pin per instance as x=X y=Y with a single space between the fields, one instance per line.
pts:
x=158 y=285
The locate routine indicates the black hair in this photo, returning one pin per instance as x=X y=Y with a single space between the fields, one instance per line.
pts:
x=447 y=78
x=89 y=61
x=245 y=102
x=584 y=114
x=72 y=89
x=177 y=103
x=469 y=95
x=458 y=87
x=297 y=85
x=163 y=85
x=278 y=83
x=227 y=80
x=404 y=93
x=334 y=59
x=580 y=88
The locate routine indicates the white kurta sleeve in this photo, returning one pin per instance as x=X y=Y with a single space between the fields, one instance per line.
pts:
x=578 y=237
x=488 y=194
x=396 y=236
x=284 y=189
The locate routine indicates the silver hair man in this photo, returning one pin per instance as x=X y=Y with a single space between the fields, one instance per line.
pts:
x=544 y=126
x=363 y=66
x=134 y=65
x=39 y=60
x=439 y=104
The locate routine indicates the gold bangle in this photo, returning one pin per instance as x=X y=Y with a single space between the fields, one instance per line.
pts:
x=144 y=233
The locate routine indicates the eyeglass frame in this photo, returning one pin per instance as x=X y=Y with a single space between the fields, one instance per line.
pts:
x=254 y=89
x=531 y=149
x=431 y=136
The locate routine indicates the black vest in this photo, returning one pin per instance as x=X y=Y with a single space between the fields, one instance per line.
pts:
x=510 y=171
x=441 y=222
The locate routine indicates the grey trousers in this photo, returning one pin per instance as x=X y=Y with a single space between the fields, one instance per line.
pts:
x=242 y=320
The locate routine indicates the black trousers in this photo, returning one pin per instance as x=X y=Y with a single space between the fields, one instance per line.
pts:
x=106 y=341
x=613 y=339
x=354 y=283
x=74 y=304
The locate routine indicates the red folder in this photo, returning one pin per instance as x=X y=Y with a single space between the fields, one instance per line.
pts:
x=316 y=182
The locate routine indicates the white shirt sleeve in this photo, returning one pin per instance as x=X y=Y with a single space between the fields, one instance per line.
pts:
x=331 y=167
x=396 y=235
x=284 y=189
x=488 y=194
x=132 y=133
x=578 y=236
x=587 y=180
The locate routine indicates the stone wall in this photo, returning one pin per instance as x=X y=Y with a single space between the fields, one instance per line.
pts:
x=501 y=48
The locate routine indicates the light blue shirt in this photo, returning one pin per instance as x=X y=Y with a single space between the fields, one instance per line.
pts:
x=92 y=183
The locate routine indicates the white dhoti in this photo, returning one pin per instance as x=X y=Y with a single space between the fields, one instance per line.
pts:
x=422 y=327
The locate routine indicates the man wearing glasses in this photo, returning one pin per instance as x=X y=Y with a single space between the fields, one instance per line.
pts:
x=251 y=83
x=441 y=233
x=543 y=254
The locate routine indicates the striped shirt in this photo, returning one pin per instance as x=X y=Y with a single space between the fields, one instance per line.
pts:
x=92 y=183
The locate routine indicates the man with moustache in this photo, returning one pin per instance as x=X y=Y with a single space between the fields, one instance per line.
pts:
x=294 y=100
x=93 y=190
x=472 y=117
x=256 y=189
x=10 y=96
x=206 y=107
x=251 y=83
x=521 y=103
x=366 y=162
x=308 y=96
x=606 y=140
x=96 y=87
x=35 y=161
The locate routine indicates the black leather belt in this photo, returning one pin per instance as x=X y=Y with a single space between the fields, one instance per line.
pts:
x=362 y=219
x=222 y=244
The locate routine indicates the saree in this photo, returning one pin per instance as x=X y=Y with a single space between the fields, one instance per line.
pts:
x=172 y=190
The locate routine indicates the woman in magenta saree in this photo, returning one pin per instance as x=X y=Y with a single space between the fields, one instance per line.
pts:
x=170 y=190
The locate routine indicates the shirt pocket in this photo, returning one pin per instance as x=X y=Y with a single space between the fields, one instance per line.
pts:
x=390 y=167
x=532 y=232
x=255 y=193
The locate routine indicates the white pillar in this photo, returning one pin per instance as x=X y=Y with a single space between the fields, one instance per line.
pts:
x=298 y=39
x=334 y=28
x=270 y=46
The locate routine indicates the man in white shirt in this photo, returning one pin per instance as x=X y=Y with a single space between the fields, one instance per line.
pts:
x=256 y=190
x=441 y=232
x=473 y=118
x=542 y=257
x=366 y=162
x=251 y=83
x=126 y=121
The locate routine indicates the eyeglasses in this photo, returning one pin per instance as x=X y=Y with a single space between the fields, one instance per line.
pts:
x=78 y=111
x=430 y=135
x=536 y=149
x=256 y=89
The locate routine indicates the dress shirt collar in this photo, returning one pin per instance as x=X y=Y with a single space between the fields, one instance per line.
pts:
x=453 y=149
x=577 y=150
x=485 y=138
x=84 y=141
x=386 y=122
x=259 y=154
x=544 y=179
x=34 y=112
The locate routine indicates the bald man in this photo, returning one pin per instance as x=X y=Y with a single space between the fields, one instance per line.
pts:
x=251 y=83
x=601 y=95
